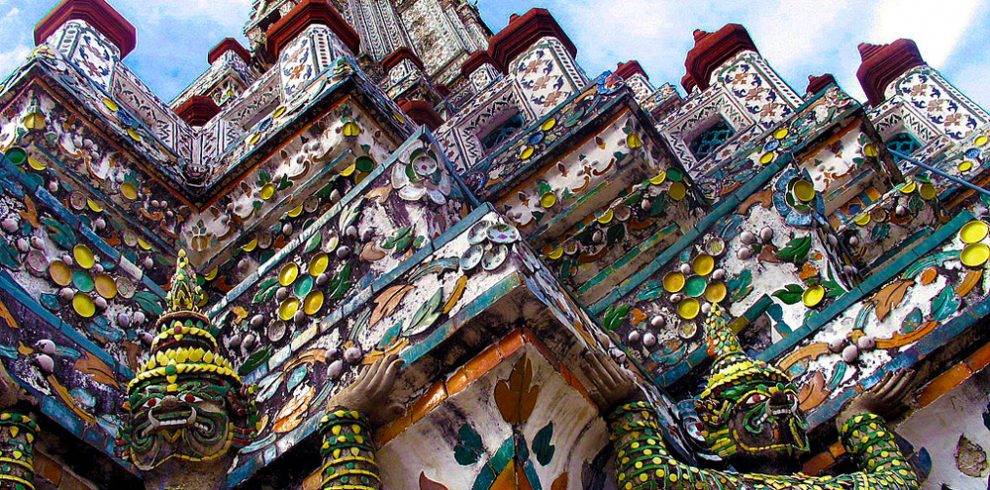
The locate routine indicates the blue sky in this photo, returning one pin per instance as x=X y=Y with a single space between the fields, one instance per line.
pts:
x=798 y=37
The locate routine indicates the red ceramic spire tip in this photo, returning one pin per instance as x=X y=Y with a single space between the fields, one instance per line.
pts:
x=818 y=82
x=475 y=60
x=882 y=64
x=422 y=112
x=197 y=110
x=396 y=57
x=305 y=14
x=228 y=44
x=525 y=30
x=630 y=68
x=712 y=49
x=98 y=14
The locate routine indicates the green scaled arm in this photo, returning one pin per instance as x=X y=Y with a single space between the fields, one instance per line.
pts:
x=348 y=452
x=644 y=463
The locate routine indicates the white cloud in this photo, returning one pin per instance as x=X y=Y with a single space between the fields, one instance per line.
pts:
x=937 y=29
x=13 y=58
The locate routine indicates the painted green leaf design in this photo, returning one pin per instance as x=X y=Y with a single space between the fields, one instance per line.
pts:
x=469 y=448
x=791 y=294
x=8 y=256
x=615 y=233
x=149 y=303
x=266 y=290
x=615 y=316
x=314 y=242
x=541 y=445
x=62 y=235
x=651 y=290
x=912 y=321
x=255 y=361
x=796 y=250
x=741 y=285
x=427 y=313
x=944 y=305
x=880 y=232
x=341 y=283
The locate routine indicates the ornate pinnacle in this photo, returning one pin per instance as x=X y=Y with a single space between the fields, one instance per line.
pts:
x=185 y=295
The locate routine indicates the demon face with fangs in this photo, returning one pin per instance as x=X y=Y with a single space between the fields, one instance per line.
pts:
x=750 y=408
x=187 y=401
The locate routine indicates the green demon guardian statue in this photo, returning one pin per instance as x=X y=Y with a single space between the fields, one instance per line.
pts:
x=188 y=407
x=750 y=408
x=751 y=411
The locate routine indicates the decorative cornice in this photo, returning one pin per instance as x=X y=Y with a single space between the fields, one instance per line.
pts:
x=476 y=60
x=523 y=31
x=98 y=14
x=396 y=57
x=422 y=112
x=711 y=49
x=197 y=110
x=630 y=68
x=818 y=83
x=307 y=13
x=883 y=64
x=229 y=44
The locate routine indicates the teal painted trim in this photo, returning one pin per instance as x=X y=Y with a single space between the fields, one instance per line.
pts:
x=723 y=208
x=846 y=301
x=10 y=285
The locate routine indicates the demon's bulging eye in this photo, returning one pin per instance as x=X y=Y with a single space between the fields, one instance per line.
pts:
x=190 y=398
x=756 y=399
x=151 y=403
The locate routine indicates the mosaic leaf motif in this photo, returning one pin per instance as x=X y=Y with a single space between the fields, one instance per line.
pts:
x=8 y=256
x=791 y=294
x=149 y=303
x=796 y=250
x=912 y=321
x=944 y=305
x=388 y=301
x=542 y=445
x=615 y=316
x=741 y=285
x=427 y=313
x=7 y=317
x=516 y=397
x=255 y=361
x=266 y=290
x=96 y=369
x=456 y=294
x=62 y=235
x=469 y=447
x=890 y=296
